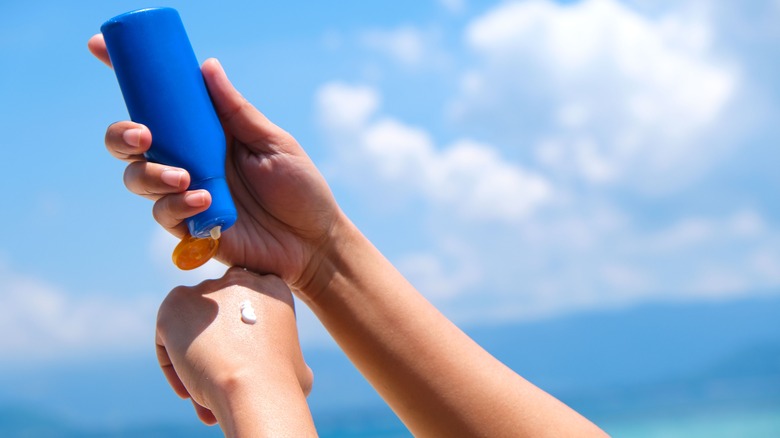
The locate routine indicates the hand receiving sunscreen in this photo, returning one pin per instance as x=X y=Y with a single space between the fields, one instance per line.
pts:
x=163 y=88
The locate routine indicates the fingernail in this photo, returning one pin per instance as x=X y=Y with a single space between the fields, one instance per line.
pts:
x=172 y=177
x=195 y=199
x=132 y=137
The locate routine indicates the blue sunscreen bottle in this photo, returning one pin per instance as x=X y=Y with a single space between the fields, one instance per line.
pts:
x=163 y=88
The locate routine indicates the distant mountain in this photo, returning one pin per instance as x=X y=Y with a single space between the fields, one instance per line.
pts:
x=598 y=352
x=746 y=380
x=644 y=343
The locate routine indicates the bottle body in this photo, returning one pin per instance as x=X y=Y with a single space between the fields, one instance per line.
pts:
x=163 y=88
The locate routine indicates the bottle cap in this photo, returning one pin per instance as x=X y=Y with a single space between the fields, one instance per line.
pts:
x=193 y=252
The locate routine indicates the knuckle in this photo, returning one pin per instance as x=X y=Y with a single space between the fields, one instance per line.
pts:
x=161 y=210
x=130 y=176
x=173 y=300
x=178 y=292
x=307 y=381
x=136 y=179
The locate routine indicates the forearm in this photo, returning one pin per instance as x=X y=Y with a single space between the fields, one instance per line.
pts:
x=438 y=381
x=280 y=411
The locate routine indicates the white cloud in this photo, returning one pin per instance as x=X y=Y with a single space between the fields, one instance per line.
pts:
x=413 y=48
x=703 y=257
x=453 y=6
x=473 y=177
x=627 y=97
x=444 y=274
x=700 y=232
x=765 y=263
x=43 y=322
x=468 y=177
x=406 y=45
x=399 y=152
x=686 y=233
x=582 y=116
x=747 y=223
x=40 y=321
x=716 y=283
x=576 y=260
x=344 y=107
x=619 y=276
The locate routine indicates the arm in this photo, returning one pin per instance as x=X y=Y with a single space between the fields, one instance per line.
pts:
x=251 y=379
x=437 y=380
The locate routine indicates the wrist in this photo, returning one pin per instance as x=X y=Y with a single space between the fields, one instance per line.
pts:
x=330 y=260
x=267 y=403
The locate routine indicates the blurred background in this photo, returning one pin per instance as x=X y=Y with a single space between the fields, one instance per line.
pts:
x=588 y=188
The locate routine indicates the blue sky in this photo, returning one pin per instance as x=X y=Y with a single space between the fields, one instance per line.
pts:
x=516 y=160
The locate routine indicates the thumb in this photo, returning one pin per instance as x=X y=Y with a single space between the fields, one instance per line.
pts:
x=97 y=46
x=242 y=120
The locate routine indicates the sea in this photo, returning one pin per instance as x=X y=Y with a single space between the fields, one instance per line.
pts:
x=756 y=422
x=759 y=422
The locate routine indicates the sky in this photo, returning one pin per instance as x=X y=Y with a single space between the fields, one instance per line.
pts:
x=516 y=160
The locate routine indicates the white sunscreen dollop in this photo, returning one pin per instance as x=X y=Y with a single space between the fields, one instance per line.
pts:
x=248 y=313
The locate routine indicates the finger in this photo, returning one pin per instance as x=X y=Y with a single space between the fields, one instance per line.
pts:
x=128 y=140
x=170 y=211
x=153 y=181
x=170 y=373
x=97 y=45
x=205 y=415
x=241 y=119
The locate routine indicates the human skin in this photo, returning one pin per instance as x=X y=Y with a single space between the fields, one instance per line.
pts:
x=251 y=378
x=282 y=234
x=434 y=377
